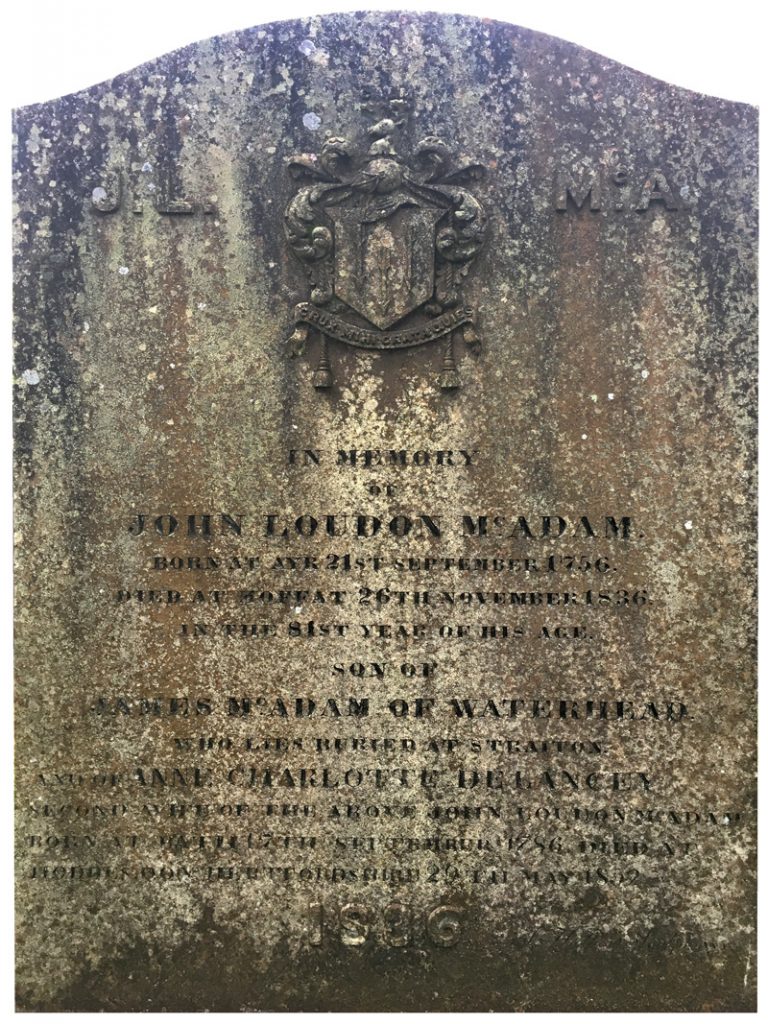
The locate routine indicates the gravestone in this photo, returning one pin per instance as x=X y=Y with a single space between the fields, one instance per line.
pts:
x=385 y=529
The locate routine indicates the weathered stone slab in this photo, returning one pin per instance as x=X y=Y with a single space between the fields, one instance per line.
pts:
x=385 y=530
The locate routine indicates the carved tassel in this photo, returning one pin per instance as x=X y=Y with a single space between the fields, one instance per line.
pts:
x=449 y=376
x=323 y=376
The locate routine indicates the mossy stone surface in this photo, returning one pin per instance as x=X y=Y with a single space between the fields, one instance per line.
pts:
x=499 y=749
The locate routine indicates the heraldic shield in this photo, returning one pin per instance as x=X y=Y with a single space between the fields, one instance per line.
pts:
x=385 y=243
x=385 y=262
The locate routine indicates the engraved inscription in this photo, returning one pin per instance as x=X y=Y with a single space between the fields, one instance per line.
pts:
x=610 y=190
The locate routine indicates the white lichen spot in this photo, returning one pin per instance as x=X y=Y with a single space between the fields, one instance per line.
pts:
x=645 y=374
x=311 y=121
x=31 y=377
x=143 y=347
x=202 y=305
x=99 y=194
x=86 y=327
x=583 y=437
x=169 y=423
x=688 y=524
x=147 y=167
x=122 y=271
x=307 y=47
x=153 y=310
x=611 y=396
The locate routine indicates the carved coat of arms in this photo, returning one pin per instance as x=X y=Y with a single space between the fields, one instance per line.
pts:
x=385 y=241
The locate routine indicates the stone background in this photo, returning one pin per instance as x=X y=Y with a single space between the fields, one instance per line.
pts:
x=153 y=375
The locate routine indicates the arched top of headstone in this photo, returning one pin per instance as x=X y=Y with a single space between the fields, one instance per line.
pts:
x=388 y=38
x=481 y=47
